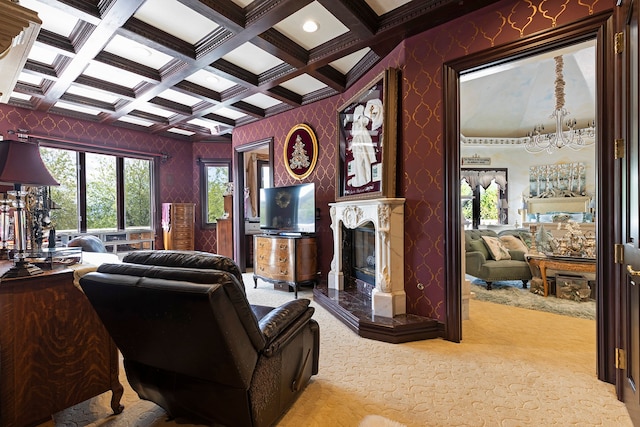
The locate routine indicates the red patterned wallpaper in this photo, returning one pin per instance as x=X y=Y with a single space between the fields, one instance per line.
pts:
x=206 y=238
x=420 y=152
x=176 y=175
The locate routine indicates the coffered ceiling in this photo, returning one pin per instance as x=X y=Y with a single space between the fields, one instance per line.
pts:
x=195 y=69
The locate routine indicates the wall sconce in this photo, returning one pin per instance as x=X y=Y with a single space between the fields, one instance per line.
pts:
x=164 y=157
x=21 y=164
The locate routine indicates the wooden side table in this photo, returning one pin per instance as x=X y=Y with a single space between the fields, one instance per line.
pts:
x=542 y=262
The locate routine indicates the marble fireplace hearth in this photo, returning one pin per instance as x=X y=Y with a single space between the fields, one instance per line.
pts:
x=380 y=311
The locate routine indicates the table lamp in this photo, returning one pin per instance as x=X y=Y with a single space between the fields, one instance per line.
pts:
x=21 y=164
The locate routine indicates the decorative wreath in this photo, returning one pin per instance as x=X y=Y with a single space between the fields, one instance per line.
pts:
x=283 y=198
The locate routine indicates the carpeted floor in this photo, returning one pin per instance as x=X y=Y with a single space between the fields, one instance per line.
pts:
x=512 y=293
x=515 y=367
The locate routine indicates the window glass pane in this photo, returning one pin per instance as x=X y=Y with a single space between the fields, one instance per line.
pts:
x=264 y=174
x=137 y=193
x=467 y=203
x=101 y=192
x=489 y=204
x=217 y=179
x=62 y=165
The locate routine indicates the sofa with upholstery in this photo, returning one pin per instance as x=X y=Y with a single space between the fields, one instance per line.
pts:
x=193 y=344
x=88 y=243
x=481 y=263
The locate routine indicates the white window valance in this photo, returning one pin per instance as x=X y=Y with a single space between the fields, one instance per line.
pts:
x=484 y=178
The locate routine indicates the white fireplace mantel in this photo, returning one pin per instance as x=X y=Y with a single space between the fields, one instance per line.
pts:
x=388 y=298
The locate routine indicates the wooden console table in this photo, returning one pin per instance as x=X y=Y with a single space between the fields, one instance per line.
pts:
x=582 y=265
x=54 y=350
x=285 y=260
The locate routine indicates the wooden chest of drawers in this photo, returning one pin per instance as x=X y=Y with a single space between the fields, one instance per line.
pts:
x=178 y=226
x=285 y=259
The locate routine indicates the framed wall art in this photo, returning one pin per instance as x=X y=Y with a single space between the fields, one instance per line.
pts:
x=300 y=151
x=367 y=141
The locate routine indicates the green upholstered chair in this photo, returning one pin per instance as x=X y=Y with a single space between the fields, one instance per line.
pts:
x=480 y=264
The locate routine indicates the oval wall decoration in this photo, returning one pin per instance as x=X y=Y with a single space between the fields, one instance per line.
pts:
x=300 y=151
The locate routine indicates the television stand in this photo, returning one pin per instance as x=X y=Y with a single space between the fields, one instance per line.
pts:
x=285 y=259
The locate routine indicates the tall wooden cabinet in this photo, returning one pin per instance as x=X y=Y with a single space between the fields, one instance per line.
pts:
x=178 y=221
x=224 y=229
x=290 y=260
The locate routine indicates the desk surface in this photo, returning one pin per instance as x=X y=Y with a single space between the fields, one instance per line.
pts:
x=558 y=258
x=575 y=264
x=54 y=349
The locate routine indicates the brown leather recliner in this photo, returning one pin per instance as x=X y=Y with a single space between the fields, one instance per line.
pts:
x=194 y=345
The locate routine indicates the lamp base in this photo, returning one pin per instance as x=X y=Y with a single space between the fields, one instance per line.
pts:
x=22 y=269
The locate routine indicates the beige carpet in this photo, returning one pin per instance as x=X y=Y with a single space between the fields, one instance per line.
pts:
x=515 y=367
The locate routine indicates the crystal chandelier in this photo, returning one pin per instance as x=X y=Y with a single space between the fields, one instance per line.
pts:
x=573 y=138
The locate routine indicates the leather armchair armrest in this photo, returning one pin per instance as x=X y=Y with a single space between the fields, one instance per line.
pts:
x=474 y=261
x=281 y=340
x=278 y=319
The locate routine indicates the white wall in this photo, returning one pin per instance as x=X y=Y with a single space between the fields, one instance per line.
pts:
x=517 y=161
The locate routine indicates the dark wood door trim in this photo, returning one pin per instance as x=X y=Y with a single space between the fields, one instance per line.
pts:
x=239 y=247
x=601 y=28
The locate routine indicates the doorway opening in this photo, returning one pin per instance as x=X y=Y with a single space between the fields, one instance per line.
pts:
x=521 y=117
x=252 y=171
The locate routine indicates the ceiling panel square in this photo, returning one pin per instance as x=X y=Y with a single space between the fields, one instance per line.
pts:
x=210 y=81
x=262 y=101
x=176 y=19
x=346 y=63
x=383 y=6
x=111 y=74
x=92 y=94
x=179 y=97
x=329 y=27
x=75 y=107
x=252 y=58
x=303 y=84
x=53 y=19
x=137 y=52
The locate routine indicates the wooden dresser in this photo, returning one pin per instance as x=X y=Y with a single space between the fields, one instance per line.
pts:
x=224 y=229
x=290 y=260
x=54 y=350
x=178 y=220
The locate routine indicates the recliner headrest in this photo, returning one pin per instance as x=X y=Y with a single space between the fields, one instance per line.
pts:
x=185 y=259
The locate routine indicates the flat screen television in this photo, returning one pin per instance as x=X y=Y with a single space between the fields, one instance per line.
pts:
x=290 y=209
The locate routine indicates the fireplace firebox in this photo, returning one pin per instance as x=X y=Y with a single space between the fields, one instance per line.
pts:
x=359 y=258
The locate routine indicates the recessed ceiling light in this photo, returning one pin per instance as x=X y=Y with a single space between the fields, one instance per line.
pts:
x=310 y=26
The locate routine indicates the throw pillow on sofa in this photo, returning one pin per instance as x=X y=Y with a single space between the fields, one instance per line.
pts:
x=513 y=243
x=496 y=248
x=479 y=246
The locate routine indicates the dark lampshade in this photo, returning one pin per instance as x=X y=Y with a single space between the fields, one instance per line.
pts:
x=20 y=163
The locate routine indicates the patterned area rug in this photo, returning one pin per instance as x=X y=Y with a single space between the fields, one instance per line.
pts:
x=511 y=293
